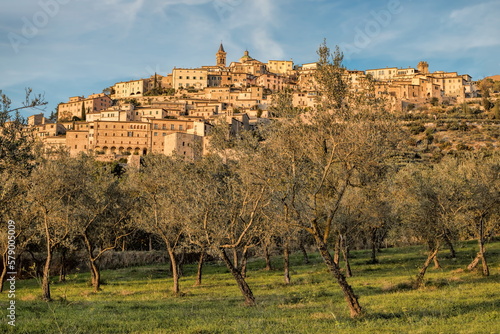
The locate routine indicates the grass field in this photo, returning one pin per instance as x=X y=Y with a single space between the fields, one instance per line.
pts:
x=137 y=300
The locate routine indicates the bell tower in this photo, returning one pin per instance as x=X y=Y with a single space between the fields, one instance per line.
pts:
x=220 y=56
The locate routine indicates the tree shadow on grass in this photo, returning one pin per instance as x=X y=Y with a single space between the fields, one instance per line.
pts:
x=450 y=311
x=430 y=283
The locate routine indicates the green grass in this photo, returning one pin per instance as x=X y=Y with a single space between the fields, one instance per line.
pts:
x=138 y=300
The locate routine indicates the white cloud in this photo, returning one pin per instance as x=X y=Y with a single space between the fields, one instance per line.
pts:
x=478 y=25
x=266 y=45
x=256 y=20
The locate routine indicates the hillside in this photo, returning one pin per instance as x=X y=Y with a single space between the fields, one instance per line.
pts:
x=436 y=131
x=494 y=77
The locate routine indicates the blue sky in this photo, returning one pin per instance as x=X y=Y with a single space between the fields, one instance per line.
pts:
x=67 y=48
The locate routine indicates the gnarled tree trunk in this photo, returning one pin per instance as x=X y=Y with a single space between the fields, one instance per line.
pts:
x=240 y=280
x=481 y=254
x=96 y=275
x=449 y=243
x=199 y=273
x=345 y=254
x=46 y=267
x=480 y=257
x=235 y=258
x=420 y=276
x=304 y=253
x=349 y=296
x=175 y=268
x=437 y=265
x=336 y=252
x=244 y=262
x=267 y=256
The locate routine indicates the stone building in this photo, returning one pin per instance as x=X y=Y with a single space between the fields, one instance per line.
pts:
x=79 y=106
x=196 y=78
x=280 y=66
x=134 y=88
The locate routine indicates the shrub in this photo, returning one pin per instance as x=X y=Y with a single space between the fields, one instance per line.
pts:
x=417 y=128
x=463 y=147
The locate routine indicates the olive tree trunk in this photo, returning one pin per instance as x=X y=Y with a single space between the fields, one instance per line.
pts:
x=286 y=262
x=349 y=296
x=199 y=273
x=481 y=254
x=46 y=267
x=240 y=280
x=3 y=275
x=96 y=275
x=420 y=276
x=175 y=269
x=375 y=246
x=345 y=254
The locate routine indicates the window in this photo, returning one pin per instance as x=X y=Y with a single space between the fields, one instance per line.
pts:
x=130 y=134
x=172 y=127
x=180 y=127
x=156 y=133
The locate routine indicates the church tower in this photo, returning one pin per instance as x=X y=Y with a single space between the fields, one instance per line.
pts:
x=220 y=56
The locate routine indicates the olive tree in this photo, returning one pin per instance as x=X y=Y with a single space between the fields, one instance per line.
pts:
x=228 y=211
x=17 y=157
x=163 y=203
x=101 y=212
x=481 y=175
x=429 y=200
x=52 y=191
x=326 y=151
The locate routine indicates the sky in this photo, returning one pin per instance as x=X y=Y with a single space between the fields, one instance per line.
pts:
x=65 y=48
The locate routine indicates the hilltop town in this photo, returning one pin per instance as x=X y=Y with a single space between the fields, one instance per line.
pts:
x=174 y=113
